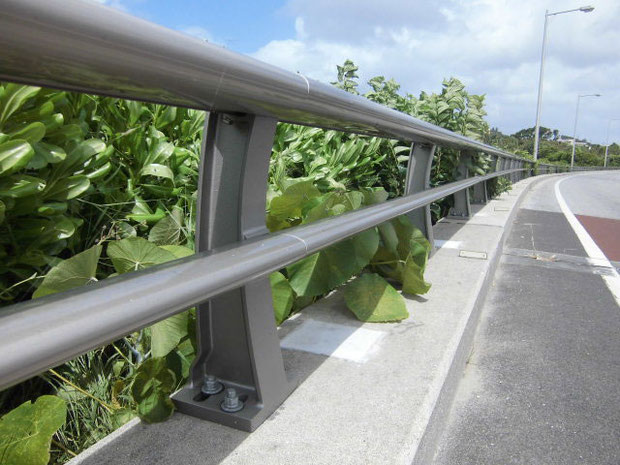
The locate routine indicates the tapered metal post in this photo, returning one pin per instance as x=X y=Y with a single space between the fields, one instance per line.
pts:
x=237 y=338
x=480 y=194
x=462 y=205
x=418 y=180
x=493 y=169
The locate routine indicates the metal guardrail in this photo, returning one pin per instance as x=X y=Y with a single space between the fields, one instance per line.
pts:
x=79 y=46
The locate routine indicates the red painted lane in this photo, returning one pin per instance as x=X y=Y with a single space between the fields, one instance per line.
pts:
x=605 y=232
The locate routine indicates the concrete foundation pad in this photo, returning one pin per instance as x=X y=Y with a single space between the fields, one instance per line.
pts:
x=368 y=393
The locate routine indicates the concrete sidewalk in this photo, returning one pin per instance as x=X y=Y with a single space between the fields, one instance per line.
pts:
x=542 y=385
x=368 y=393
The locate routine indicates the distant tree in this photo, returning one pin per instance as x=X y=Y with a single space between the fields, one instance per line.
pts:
x=543 y=133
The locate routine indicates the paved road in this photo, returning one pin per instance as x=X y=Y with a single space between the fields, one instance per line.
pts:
x=542 y=385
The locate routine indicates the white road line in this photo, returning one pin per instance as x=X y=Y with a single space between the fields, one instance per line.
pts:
x=594 y=252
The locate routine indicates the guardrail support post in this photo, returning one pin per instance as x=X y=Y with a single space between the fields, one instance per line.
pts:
x=462 y=206
x=487 y=188
x=236 y=331
x=480 y=194
x=501 y=164
x=418 y=179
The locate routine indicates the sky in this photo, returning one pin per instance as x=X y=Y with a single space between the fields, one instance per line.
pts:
x=493 y=46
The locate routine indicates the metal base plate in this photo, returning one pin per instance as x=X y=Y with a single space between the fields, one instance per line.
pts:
x=191 y=401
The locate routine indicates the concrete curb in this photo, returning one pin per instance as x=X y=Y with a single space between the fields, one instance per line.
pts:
x=387 y=405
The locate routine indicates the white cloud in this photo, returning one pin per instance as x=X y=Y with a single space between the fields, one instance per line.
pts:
x=201 y=33
x=492 y=45
x=117 y=4
x=300 y=29
x=198 y=32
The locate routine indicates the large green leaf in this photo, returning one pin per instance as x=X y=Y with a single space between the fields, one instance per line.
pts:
x=20 y=185
x=418 y=249
x=26 y=432
x=52 y=208
x=365 y=244
x=45 y=153
x=136 y=253
x=166 y=117
x=371 y=298
x=84 y=151
x=99 y=172
x=332 y=204
x=282 y=295
x=323 y=271
x=403 y=255
x=374 y=195
x=389 y=238
x=167 y=230
x=13 y=98
x=160 y=152
x=413 y=277
x=14 y=155
x=408 y=235
x=76 y=271
x=151 y=389
x=166 y=334
x=178 y=251
x=323 y=207
x=142 y=212
x=291 y=202
x=155 y=169
x=31 y=133
x=67 y=188
x=63 y=227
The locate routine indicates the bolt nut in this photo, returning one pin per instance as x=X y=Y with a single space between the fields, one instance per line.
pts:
x=231 y=402
x=211 y=385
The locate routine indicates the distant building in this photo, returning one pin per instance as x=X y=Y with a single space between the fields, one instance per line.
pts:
x=569 y=140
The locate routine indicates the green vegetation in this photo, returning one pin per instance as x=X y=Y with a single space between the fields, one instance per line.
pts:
x=92 y=187
x=554 y=148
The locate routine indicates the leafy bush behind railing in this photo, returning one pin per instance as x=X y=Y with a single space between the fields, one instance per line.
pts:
x=93 y=186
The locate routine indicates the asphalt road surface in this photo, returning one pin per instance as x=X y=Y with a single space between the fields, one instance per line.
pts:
x=542 y=385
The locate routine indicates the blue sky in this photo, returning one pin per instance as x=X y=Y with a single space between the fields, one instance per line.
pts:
x=238 y=25
x=493 y=46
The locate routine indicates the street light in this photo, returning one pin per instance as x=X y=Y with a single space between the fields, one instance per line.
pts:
x=607 y=139
x=572 y=157
x=583 y=9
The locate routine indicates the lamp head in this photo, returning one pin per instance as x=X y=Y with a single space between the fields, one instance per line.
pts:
x=586 y=9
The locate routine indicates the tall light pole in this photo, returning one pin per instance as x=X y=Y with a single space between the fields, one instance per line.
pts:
x=572 y=157
x=607 y=139
x=583 y=9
